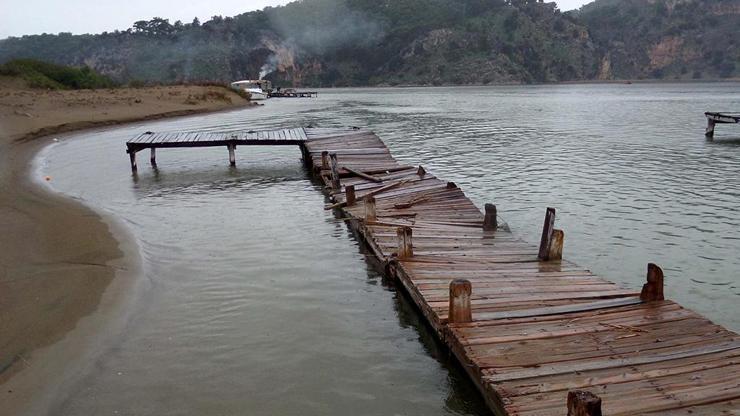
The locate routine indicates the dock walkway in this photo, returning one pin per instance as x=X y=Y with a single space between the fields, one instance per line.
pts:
x=527 y=325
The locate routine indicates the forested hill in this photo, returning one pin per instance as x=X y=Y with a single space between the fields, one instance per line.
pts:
x=404 y=42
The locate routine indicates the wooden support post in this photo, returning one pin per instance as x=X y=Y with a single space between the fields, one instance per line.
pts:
x=421 y=172
x=325 y=160
x=460 y=311
x=490 y=222
x=451 y=185
x=547 y=231
x=583 y=403
x=370 y=209
x=232 y=154
x=653 y=289
x=349 y=193
x=556 y=245
x=334 y=171
x=132 y=158
x=153 y=157
x=710 y=128
x=405 y=246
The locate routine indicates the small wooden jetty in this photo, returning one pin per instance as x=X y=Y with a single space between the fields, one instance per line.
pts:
x=719 y=118
x=291 y=93
x=538 y=335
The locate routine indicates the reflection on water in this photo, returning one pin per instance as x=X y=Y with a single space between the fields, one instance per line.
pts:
x=260 y=302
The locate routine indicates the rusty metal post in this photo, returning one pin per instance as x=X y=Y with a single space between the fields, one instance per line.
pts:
x=460 y=310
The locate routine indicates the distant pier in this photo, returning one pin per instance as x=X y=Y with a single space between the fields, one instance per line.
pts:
x=537 y=334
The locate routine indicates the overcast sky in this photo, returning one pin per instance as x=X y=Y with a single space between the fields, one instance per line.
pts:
x=26 y=17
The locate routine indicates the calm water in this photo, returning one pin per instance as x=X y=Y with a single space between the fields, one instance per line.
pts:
x=257 y=301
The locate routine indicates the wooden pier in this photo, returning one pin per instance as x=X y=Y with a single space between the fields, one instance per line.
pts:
x=291 y=93
x=719 y=118
x=537 y=334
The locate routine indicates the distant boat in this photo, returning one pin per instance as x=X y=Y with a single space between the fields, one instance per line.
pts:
x=257 y=89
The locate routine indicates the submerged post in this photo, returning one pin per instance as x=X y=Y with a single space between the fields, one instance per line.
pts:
x=653 y=289
x=153 y=156
x=490 y=222
x=405 y=246
x=370 y=209
x=349 y=193
x=583 y=403
x=334 y=171
x=232 y=154
x=547 y=231
x=460 y=311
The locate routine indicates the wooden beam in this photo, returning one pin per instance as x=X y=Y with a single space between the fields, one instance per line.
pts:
x=132 y=159
x=583 y=403
x=363 y=175
x=547 y=230
x=153 y=157
x=490 y=222
x=653 y=289
x=460 y=311
x=405 y=245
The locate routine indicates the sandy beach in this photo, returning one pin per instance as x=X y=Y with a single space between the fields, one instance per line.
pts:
x=58 y=257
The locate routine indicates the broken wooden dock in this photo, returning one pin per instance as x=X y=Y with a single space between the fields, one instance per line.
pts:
x=536 y=333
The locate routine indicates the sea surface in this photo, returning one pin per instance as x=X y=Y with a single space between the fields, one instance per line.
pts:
x=256 y=301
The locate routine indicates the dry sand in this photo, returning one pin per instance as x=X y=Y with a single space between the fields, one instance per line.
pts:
x=58 y=258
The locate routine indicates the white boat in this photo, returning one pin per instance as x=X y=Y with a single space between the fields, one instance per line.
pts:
x=257 y=89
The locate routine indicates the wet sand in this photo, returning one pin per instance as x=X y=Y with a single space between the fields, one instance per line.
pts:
x=59 y=259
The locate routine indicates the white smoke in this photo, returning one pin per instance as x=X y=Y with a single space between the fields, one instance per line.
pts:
x=269 y=66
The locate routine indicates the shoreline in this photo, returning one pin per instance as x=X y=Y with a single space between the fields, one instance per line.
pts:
x=66 y=271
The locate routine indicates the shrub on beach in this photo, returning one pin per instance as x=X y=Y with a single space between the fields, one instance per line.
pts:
x=39 y=74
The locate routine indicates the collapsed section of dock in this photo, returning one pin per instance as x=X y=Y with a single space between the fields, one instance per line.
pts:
x=537 y=334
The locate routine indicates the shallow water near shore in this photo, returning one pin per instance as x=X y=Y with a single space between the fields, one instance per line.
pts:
x=257 y=301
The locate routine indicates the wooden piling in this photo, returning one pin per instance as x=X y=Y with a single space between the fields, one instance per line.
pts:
x=370 y=215
x=460 y=311
x=653 y=289
x=132 y=158
x=583 y=403
x=325 y=160
x=349 y=192
x=232 y=154
x=421 y=171
x=710 y=128
x=153 y=157
x=490 y=221
x=555 y=252
x=334 y=171
x=547 y=231
x=405 y=245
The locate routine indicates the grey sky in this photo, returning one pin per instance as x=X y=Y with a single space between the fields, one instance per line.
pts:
x=25 y=17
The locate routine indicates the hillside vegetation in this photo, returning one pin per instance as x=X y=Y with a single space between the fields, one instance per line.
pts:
x=414 y=42
x=38 y=74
